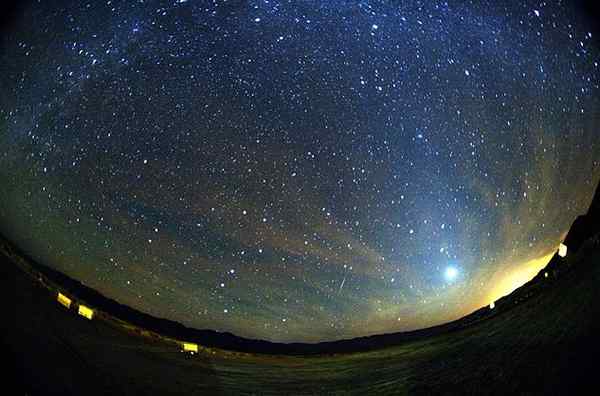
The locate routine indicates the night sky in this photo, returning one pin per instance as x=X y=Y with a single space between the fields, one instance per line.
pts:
x=298 y=170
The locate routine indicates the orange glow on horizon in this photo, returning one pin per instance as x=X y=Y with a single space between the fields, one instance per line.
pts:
x=507 y=282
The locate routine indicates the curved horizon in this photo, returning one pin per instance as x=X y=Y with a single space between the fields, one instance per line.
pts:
x=98 y=302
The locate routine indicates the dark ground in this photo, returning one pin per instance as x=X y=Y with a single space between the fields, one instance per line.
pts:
x=548 y=343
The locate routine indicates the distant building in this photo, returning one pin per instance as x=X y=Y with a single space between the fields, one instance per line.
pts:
x=64 y=300
x=562 y=250
x=86 y=312
x=190 y=347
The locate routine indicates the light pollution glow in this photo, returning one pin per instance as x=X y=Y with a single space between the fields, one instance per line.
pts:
x=506 y=283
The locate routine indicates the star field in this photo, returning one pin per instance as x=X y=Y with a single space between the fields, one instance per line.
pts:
x=298 y=171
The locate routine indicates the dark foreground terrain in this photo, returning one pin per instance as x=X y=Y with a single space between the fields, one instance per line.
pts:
x=547 y=343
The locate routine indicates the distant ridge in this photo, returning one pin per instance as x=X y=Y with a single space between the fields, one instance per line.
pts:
x=583 y=228
x=594 y=210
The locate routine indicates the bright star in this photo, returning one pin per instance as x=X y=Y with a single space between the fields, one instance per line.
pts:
x=451 y=273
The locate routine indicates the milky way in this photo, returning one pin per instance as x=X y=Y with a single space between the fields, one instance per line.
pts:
x=298 y=170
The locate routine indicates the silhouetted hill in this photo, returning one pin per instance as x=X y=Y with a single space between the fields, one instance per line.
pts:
x=585 y=225
x=583 y=228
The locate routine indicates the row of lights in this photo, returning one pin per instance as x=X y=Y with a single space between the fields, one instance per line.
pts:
x=82 y=310
x=88 y=313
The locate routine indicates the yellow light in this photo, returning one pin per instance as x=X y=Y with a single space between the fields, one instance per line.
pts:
x=190 y=347
x=86 y=312
x=517 y=277
x=545 y=274
x=562 y=250
x=492 y=305
x=64 y=300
